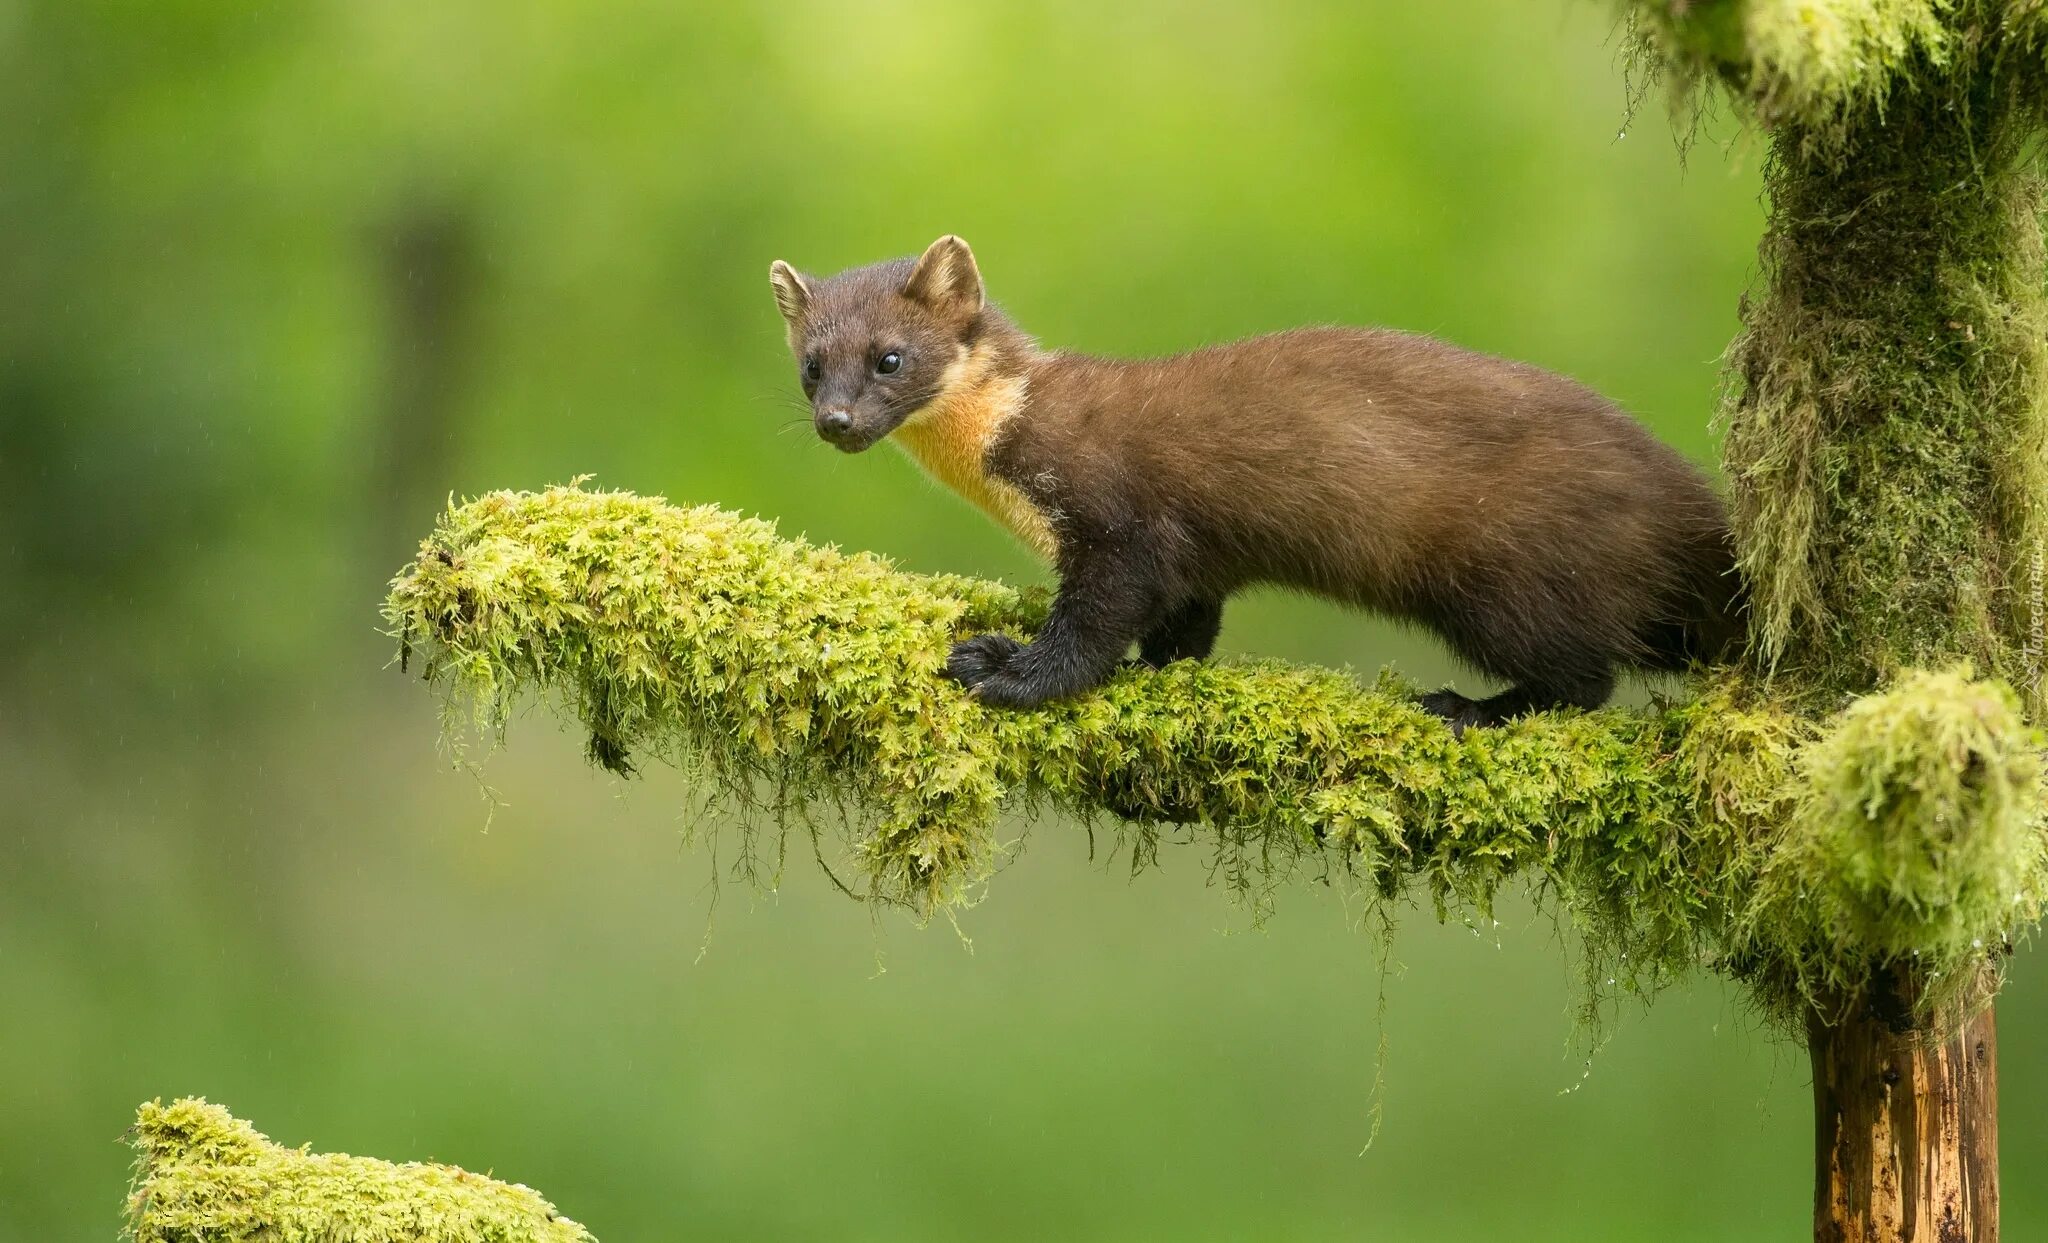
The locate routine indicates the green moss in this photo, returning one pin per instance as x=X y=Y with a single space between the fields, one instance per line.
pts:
x=808 y=679
x=203 y=1175
x=1816 y=62
x=1887 y=439
x=2026 y=22
x=1827 y=67
x=1889 y=405
x=1917 y=837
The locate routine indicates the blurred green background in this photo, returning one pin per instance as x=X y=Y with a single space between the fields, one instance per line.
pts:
x=277 y=277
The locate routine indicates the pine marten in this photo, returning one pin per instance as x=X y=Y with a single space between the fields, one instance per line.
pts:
x=1542 y=533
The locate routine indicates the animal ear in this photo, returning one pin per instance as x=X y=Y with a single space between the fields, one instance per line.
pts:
x=945 y=278
x=792 y=295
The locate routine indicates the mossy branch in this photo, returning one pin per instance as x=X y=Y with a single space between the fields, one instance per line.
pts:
x=1810 y=60
x=201 y=1173
x=1723 y=832
x=1823 y=66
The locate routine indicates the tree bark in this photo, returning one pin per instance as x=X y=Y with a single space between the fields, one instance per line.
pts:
x=1905 y=1127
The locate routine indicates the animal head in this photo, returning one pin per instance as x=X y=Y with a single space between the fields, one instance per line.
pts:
x=875 y=345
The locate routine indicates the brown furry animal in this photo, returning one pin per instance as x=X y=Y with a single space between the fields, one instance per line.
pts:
x=1545 y=535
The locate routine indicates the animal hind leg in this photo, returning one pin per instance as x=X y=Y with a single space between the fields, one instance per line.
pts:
x=1589 y=690
x=1187 y=632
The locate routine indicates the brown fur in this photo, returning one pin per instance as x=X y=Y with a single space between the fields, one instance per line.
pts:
x=1543 y=533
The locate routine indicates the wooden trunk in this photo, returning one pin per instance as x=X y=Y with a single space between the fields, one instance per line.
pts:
x=1905 y=1128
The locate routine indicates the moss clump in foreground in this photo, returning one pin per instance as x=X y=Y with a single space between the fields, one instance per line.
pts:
x=201 y=1173
x=805 y=678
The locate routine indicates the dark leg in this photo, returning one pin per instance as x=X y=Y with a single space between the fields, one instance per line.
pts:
x=1103 y=605
x=1186 y=633
x=1587 y=691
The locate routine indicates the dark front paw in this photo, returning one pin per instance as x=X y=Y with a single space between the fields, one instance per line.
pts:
x=991 y=667
x=976 y=660
x=1009 y=689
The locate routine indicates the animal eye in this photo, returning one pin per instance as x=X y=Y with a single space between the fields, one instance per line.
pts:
x=888 y=363
x=811 y=370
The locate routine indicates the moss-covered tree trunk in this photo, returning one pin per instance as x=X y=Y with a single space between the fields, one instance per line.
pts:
x=1885 y=436
x=1905 y=1127
x=1885 y=441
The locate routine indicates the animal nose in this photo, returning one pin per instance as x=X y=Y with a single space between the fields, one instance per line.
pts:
x=835 y=423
